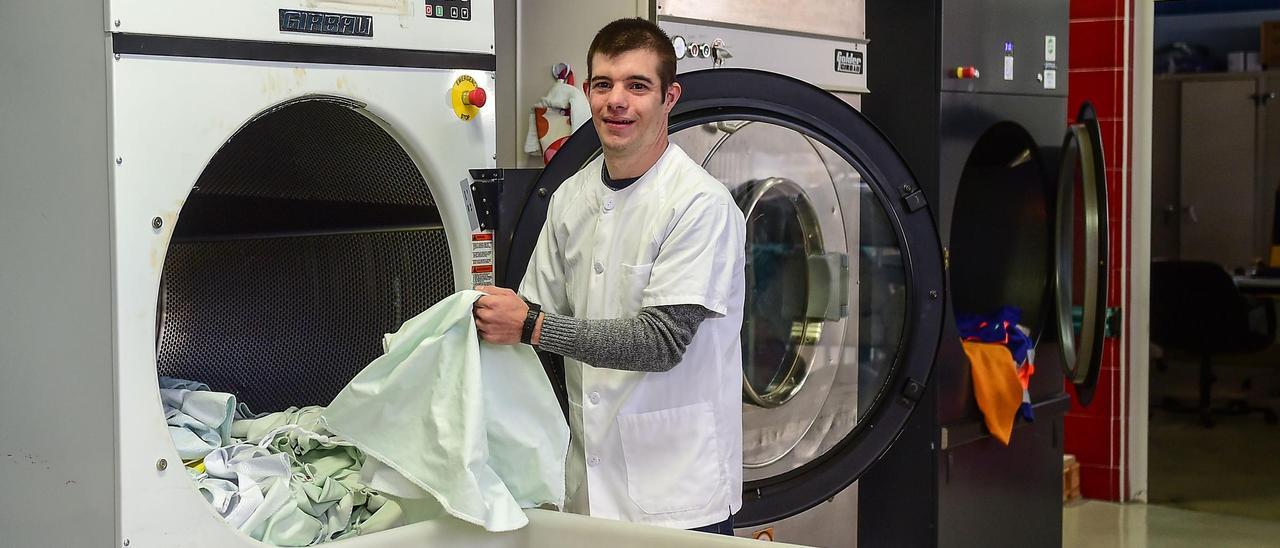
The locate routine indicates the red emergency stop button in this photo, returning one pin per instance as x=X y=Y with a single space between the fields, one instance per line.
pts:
x=967 y=73
x=466 y=98
x=476 y=97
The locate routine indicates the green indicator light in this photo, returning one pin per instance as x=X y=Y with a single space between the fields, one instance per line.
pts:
x=439 y=11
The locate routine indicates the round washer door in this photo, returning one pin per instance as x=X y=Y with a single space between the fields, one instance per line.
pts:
x=1082 y=260
x=844 y=276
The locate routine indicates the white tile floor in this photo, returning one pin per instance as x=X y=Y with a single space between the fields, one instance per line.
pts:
x=1096 y=524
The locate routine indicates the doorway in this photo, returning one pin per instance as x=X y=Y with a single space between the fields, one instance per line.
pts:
x=1215 y=174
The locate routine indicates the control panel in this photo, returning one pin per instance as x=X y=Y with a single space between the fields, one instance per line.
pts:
x=1021 y=51
x=1045 y=73
x=459 y=10
x=457 y=26
x=832 y=64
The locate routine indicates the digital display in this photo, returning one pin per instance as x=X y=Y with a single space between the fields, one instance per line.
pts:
x=459 y=10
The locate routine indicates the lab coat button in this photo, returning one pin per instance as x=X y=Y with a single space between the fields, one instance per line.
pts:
x=599 y=268
x=593 y=461
x=594 y=397
x=608 y=205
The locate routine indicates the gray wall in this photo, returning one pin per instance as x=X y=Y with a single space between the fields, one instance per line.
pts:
x=57 y=429
x=547 y=33
x=504 y=31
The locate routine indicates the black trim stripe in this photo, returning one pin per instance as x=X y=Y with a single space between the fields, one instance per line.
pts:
x=250 y=50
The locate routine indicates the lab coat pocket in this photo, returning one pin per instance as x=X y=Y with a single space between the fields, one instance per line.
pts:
x=673 y=464
x=635 y=278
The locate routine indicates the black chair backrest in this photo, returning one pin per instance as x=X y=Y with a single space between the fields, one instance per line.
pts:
x=1196 y=307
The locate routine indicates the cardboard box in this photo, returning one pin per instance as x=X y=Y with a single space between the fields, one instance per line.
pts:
x=1070 y=479
x=1243 y=61
x=1270 y=52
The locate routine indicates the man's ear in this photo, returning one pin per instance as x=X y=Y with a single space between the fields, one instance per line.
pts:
x=672 y=95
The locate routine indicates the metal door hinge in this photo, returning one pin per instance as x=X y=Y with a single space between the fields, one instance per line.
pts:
x=913 y=198
x=1111 y=322
x=486 y=190
x=911 y=392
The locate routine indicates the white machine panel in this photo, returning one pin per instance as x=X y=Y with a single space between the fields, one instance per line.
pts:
x=397 y=24
x=837 y=65
x=162 y=143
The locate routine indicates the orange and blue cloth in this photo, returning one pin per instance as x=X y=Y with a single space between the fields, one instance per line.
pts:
x=995 y=386
x=1000 y=357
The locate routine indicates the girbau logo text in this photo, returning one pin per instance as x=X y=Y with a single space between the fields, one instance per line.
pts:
x=314 y=22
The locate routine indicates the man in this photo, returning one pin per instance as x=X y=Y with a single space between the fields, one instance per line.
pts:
x=639 y=275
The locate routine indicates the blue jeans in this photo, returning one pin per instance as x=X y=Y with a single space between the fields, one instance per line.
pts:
x=723 y=528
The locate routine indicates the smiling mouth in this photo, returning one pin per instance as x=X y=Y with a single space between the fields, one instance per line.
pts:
x=618 y=123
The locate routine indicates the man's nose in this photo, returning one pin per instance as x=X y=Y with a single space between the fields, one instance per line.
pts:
x=617 y=98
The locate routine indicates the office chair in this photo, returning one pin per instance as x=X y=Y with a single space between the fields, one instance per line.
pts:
x=1197 y=309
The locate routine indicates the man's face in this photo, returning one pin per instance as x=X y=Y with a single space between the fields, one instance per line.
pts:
x=628 y=105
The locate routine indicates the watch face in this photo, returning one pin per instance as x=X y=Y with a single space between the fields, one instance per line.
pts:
x=681 y=48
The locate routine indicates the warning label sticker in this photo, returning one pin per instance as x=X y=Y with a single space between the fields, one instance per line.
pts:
x=482 y=258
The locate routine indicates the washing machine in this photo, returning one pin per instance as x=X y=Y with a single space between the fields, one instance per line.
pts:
x=242 y=193
x=844 y=277
x=977 y=102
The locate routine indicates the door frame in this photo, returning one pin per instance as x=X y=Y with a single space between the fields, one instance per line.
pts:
x=1136 y=201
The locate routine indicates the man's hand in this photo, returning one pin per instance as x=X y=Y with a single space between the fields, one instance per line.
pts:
x=499 y=315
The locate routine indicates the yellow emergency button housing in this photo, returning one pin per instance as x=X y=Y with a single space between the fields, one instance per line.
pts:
x=467 y=97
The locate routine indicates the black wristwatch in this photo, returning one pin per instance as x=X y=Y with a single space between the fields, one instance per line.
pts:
x=530 y=320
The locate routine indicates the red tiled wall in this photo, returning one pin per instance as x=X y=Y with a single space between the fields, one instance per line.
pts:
x=1097 y=73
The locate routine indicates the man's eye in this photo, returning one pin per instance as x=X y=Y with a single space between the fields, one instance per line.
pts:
x=600 y=85
x=639 y=87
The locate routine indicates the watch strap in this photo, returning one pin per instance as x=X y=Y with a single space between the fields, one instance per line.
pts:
x=530 y=321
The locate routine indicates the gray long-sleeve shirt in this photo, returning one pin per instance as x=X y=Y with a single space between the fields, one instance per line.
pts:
x=653 y=341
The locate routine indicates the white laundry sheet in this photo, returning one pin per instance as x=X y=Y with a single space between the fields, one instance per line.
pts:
x=199 y=420
x=442 y=422
x=473 y=425
x=297 y=486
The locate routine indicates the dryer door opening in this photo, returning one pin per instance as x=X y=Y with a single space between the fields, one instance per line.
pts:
x=309 y=235
x=1082 y=258
x=1000 y=240
x=844 y=276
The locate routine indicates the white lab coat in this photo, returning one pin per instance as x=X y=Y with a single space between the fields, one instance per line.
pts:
x=659 y=448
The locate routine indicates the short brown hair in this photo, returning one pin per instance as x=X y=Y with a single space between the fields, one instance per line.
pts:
x=631 y=34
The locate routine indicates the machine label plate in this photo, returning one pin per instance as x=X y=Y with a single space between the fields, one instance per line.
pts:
x=849 y=61
x=315 y=22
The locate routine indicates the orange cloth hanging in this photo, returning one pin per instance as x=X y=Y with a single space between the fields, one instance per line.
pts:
x=995 y=385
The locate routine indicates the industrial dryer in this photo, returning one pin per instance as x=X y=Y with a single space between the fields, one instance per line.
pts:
x=844 y=276
x=840 y=328
x=1017 y=181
